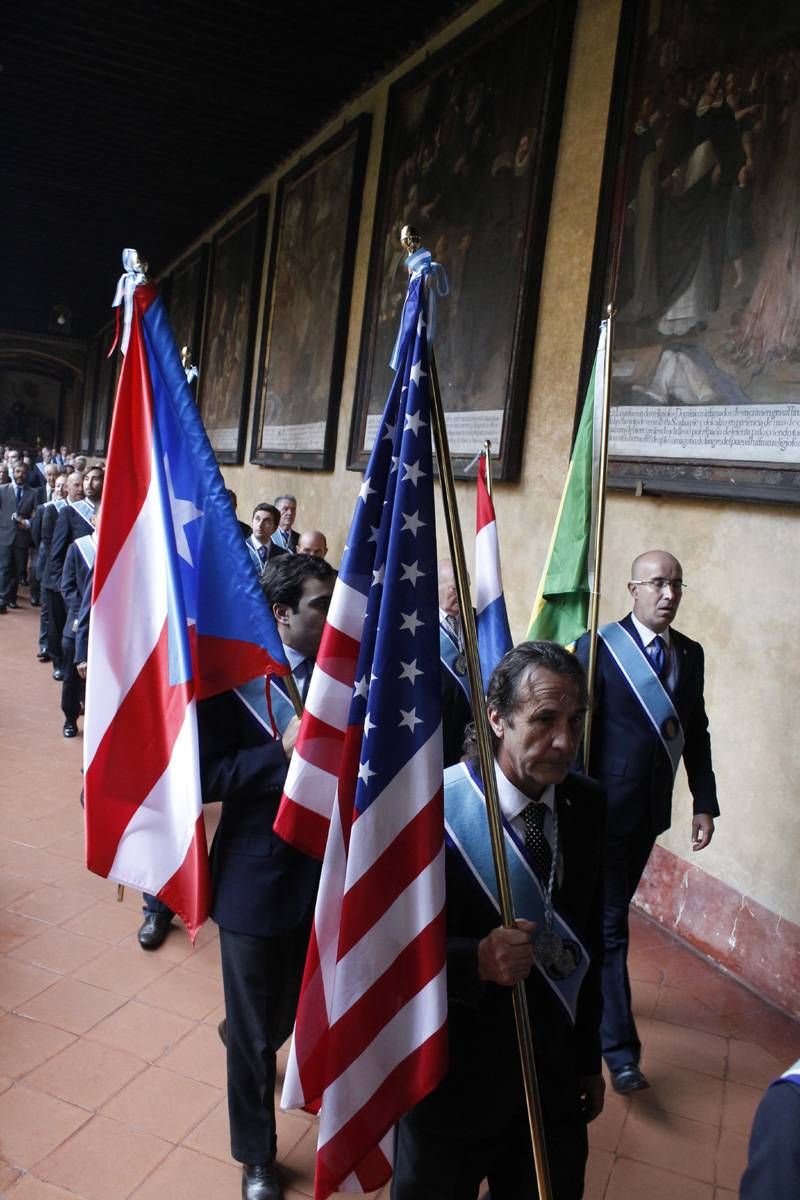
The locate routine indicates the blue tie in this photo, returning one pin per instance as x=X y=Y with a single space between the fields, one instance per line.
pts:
x=262 y=553
x=655 y=652
x=19 y=496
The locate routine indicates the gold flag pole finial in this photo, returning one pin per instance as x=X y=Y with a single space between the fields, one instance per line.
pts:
x=412 y=242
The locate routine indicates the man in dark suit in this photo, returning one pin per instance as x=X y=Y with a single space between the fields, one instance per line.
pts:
x=260 y=545
x=474 y=1125
x=75 y=579
x=44 y=523
x=17 y=507
x=84 y=492
x=263 y=889
x=285 y=535
x=648 y=712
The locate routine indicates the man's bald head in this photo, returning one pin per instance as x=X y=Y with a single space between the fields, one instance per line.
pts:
x=656 y=585
x=312 y=542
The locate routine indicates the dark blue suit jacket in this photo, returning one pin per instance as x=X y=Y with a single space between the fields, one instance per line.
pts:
x=627 y=755
x=70 y=525
x=261 y=885
x=75 y=578
x=483 y=1086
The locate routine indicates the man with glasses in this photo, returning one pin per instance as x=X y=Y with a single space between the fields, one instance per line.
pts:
x=648 y=713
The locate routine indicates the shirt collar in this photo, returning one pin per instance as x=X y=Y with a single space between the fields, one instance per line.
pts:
x=513 y=801
x=292 y=657
x=649 y=635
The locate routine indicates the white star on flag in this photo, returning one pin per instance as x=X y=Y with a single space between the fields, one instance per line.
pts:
x=361 y=687
x=421 y=323
x=368 y=725
x=409 y=670
x=413 y=421
x=409 y=718
x=410 y=622
x=377 y=576
x=374 y=531
x=389 y=435
x=412 y=472
x=412 y=522
x=411 y=572
x=364 y=773
x=415 y=373
x=365 y=490
x=183 y=513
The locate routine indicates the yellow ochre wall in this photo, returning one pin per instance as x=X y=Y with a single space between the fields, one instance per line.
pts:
x=740 y=559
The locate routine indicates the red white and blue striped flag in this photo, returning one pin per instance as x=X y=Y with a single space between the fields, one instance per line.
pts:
x=494 y=635
x=177 y=614
x=365 y=783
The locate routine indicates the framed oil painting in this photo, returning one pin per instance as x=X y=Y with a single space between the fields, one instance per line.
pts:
x=468 y=158
x=226 y=363
x=105 y=389
x=185 y=294
x=89 y=396
x=304 y=336
x=705 y=133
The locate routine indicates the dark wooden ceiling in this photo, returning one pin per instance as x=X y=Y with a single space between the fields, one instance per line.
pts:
x=138 y=124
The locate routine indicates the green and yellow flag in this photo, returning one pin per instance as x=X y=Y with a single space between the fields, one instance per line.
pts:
x=561 y=606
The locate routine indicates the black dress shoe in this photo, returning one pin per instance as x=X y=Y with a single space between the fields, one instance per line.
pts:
x=153 y=929
x=58 y=674
x=13 y=604
x=628 y=1079
x=43 y=656
x=70 y=729
x=35 y=603
x=261 y=1183
x=222 y=1030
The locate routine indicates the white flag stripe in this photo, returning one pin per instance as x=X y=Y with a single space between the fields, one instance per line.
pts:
x=402 y=799
x=317 y=786
x=347 y=610
x=329 y=700
x=140 y=571
x=412 y=911
x=160 y=832
x=406 y=1032
x=488 y=583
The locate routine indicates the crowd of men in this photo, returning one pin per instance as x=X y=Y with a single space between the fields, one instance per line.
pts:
x=581 y=842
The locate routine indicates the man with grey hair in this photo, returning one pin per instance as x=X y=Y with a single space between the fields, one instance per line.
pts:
x=285 y=535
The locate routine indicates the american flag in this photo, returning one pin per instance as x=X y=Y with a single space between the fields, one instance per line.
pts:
x=177 y=615
x=370 y=1038
x=494 y=635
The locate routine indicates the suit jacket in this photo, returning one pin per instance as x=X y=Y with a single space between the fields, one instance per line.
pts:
x=261 y=885
x=483 y=1087
x=294 y=538
x=628 y=756
x=75 y=578
x=69 y=526
x=10 y=532
x=273 y=552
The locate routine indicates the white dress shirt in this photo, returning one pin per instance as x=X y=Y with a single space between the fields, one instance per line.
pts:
x=648 y=636
x=512 y=803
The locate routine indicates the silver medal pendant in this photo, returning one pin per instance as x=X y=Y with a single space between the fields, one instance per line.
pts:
x=558 y=956
x=460 y=665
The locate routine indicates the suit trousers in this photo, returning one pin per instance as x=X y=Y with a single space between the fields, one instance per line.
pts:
x=152 y=904
x=7 y=574
x=625 y=858
x=261 y=977
x=56 y=616
x=73 y=687
x=436 y=1166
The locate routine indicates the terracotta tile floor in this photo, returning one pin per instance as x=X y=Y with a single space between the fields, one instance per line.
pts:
x=112 y=1079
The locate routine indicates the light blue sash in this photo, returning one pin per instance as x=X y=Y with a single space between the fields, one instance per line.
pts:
x=58 y=503
x=467 y=832
x=87 y=549
x=449 y=652
x=85 y=509
x=793 y=1075
x=646 y=687
x=254 y=697
x=254 y=557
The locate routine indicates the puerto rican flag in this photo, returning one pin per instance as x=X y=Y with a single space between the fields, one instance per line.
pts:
x=494 y=635
x=365 y=785
x=177 y=614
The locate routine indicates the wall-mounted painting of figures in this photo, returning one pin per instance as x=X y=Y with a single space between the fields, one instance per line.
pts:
x=706 y=378
x=308 y=303
x=226 y=365
x=105 y=390
x=468 y=159
x=185 y=294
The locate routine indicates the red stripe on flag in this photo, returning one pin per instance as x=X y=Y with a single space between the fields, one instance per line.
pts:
x=414 y=848
x=352 y=1148
x=325 y=1058
x=191 y=879
x=338 y=655
x=302 y=828
x=320 y=744
x=131 y=430
x=485 y=508
x=134 y=753
x=221 y=663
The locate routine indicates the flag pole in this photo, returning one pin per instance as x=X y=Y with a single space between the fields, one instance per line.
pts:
x=487 y=451
x=412 y=241
x=600 y=520
x=293 y=693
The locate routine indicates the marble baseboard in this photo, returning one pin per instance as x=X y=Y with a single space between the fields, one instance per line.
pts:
x=757 y=946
